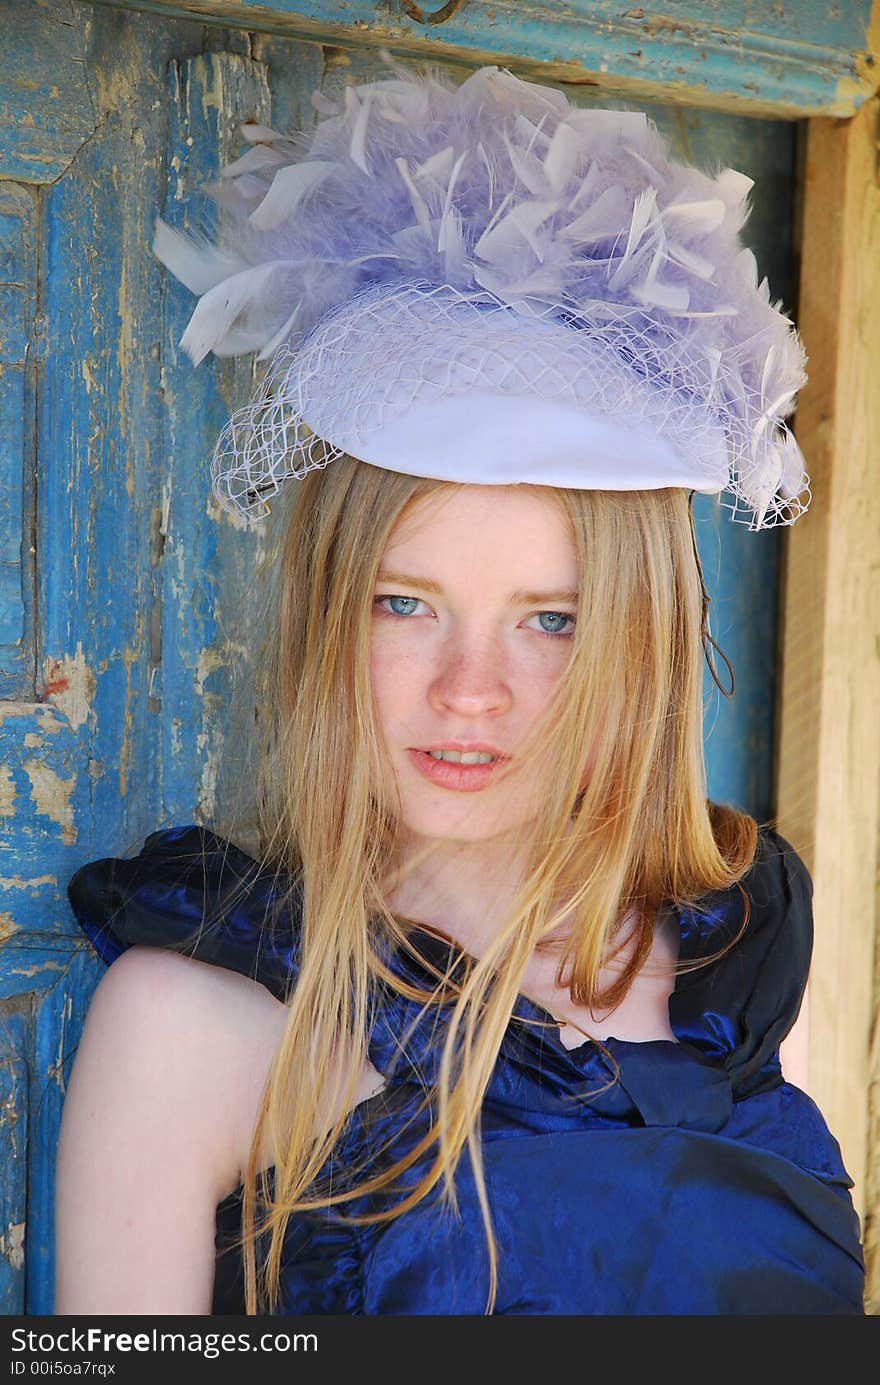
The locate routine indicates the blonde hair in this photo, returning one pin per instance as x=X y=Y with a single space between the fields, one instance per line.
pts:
x=633 y=835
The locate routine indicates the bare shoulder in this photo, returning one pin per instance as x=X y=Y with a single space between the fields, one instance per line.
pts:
x=156 y=1130
x=150 y=1131
x=213 y=1034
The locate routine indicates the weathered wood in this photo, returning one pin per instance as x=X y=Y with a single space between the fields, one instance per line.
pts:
x=205 y=631
x=14 y=1044
x=47 y=110
x=19 y=354
x=59 y=1011
x=829 y=760
x=786 y=58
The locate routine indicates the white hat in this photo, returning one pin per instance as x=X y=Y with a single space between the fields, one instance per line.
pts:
x=485 y=284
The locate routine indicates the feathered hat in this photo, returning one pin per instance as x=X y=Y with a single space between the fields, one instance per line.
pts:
x=484 y=283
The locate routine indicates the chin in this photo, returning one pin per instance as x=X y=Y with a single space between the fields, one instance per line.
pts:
x=465 y=824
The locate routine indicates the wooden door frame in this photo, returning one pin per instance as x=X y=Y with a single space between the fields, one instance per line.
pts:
x=828 y=787
x=780 y=59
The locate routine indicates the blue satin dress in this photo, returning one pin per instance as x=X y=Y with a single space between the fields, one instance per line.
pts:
x=695 y=1181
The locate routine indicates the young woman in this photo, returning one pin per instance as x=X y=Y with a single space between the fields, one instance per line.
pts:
x=493 y=1023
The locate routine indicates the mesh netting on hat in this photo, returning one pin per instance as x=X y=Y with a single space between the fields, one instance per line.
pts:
x=391 y=348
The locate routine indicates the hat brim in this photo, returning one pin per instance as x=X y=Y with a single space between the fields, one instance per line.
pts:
x=499 y=439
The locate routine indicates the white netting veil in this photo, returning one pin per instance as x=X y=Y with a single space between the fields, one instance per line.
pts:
x=410 y=351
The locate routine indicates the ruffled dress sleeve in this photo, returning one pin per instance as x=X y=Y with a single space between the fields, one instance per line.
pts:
x=196 y=893
x=738 y=1008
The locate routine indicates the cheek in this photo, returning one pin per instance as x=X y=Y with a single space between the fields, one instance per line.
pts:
x=395 y=678
x=544 y=661
x=535 y=669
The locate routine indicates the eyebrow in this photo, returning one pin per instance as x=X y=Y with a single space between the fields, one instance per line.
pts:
x=517 y=598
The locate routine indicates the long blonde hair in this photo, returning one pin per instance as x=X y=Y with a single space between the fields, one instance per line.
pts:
x=637 y=833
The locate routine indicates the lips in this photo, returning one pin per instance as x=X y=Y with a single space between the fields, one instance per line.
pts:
x=465 y=748
x=448 y=774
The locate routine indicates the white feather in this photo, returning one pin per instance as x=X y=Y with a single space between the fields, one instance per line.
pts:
x=762 y=482
x=211 y=326
x=271 y=346
x=196 y=264
x=704 y=215
x=323 y=105
x=357 y=148
x=537 y=284
x=289 y=186
x=653 y=173
x=238 y=194
x=259 y=157
x=733 y=186
x=410 y=242
x=601 y=220
x=609 y=127
x=530 y=133
x=448 y=235
x=419 y=205
x=437 y=166
x=260 y=134
x=499 y=212
x=490 y=173
x=588 y=188
x=643 y=212
x=700 y=265
x=723 y=310
x=520 y=224
x=529 y=170
x=562 y=157
x=451 y=243
x=769 y=361
x=655 y=293
x=791 y=481
x=747 y=268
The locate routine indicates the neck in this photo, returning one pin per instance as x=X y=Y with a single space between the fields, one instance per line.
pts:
x=461 y=889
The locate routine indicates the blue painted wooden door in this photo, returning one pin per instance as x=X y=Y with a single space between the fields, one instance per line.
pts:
x=128 y=601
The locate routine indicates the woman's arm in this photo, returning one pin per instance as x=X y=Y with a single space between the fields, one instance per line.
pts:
x=151 y=1133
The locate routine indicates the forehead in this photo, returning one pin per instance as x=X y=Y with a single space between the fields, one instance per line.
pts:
x=497 y=518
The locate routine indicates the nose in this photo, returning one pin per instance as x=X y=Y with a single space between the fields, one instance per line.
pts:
x=471 y=680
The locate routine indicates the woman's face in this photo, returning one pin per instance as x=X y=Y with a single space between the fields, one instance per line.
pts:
x=473 y=620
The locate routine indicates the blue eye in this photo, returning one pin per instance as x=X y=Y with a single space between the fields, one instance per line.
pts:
x=408 y=602
x=557 y=621
x=554 y=623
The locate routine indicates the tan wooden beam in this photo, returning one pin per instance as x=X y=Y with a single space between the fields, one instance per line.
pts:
x=828 y=797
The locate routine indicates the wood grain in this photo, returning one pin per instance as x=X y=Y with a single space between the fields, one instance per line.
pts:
x=829 y=765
